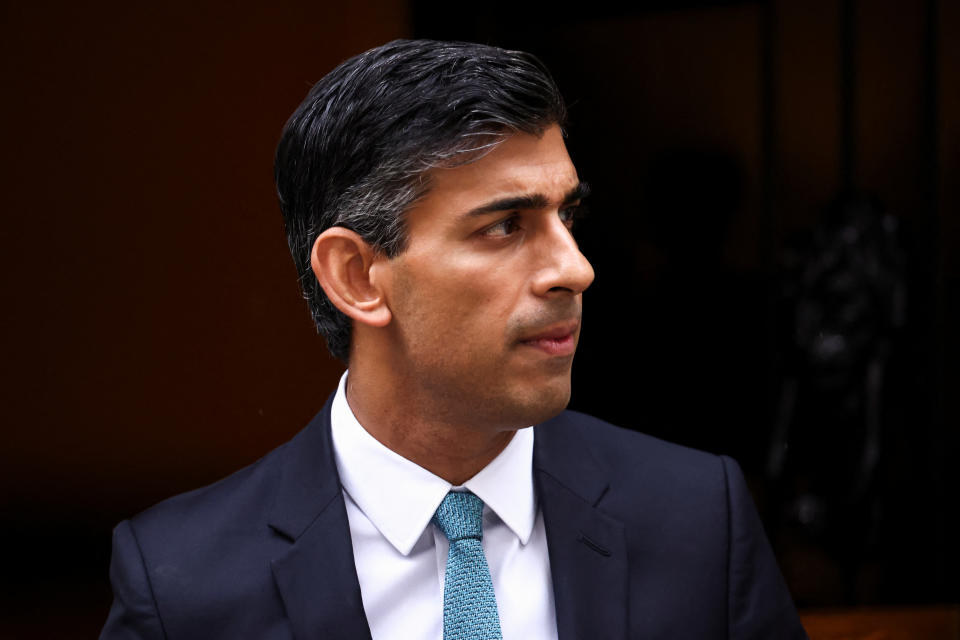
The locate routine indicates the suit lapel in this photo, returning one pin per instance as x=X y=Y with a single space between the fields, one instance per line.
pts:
x=588 y=556
x=316 y=576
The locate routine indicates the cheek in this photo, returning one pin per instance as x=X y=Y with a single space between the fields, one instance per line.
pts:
x=470 y=308
x=466 y=276
x=456 y=299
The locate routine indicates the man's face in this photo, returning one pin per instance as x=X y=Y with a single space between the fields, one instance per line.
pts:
x=486 y=299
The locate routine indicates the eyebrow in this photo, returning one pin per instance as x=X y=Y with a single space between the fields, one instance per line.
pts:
x=531 y=201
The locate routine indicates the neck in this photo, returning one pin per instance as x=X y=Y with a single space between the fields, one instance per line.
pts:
x=417 y=428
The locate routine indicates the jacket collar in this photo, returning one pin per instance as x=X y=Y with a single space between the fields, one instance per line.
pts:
x=316 y=576
x=588 y=551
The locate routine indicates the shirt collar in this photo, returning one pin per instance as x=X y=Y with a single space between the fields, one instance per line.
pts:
x=400 y=497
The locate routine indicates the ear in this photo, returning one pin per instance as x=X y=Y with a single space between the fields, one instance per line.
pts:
x=342 y=261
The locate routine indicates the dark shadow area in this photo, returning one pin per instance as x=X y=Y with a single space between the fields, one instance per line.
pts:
x=745 y=306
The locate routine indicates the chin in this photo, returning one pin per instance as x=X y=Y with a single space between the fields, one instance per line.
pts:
x=542 y=403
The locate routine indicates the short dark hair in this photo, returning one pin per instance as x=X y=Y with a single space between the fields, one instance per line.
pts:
x=356 y=152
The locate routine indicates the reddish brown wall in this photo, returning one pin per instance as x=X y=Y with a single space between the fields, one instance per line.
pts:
x=153 y=333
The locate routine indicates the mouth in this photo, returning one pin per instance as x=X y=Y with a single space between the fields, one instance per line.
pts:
x=556 y=340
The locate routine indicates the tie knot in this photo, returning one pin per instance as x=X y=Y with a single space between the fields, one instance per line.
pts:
x=460 y=516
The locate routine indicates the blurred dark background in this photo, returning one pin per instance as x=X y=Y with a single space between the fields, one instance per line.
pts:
x=774 y=229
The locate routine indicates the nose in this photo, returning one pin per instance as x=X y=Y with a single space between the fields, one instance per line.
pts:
x=563 y=269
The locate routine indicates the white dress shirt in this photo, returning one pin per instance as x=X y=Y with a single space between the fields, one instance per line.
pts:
x=401 y=557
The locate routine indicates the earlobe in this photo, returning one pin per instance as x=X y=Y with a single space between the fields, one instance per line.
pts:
x=342 y=262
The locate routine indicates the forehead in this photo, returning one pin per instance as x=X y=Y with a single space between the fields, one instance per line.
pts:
x=521 y=165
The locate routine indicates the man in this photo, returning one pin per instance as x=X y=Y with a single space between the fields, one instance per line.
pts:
x=429 y=198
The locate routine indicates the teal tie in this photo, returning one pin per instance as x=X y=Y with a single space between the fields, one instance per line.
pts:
x=469 y=605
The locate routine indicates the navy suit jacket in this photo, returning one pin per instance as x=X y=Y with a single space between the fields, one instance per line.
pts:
x=646 y=540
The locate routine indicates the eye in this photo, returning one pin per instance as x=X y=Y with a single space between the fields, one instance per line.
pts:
x=504 y=228
x=570 y=215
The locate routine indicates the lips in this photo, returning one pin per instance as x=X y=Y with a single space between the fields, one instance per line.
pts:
x=556 y=340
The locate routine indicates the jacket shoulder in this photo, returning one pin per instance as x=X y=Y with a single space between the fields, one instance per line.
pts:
x=649 y=480
x=237 y=496
x=624 y=449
